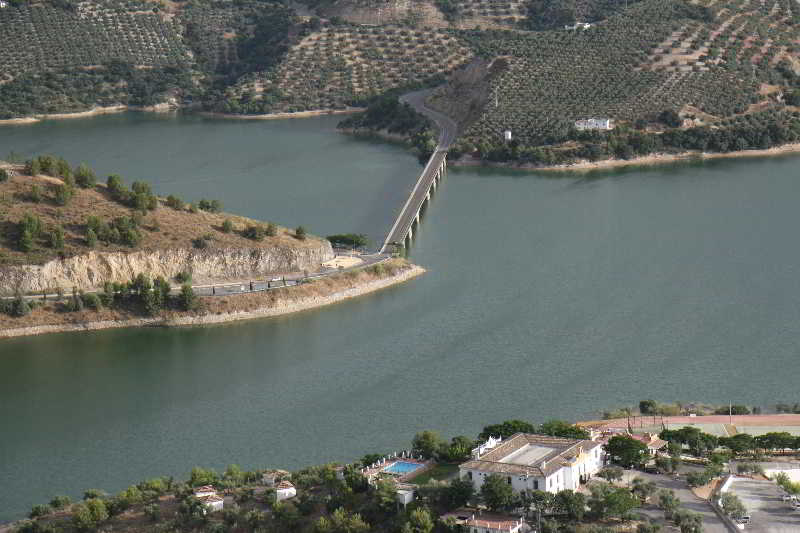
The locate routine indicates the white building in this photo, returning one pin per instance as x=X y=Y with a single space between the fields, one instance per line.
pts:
x=536 y=462
x=205 y=490
x=212 y=503
x=271 y=477
x=507 y=135
x=578 y=26
x=594 y=124
x=3 y=4
x=284 y=490
x=404 y=494
x=485 y=523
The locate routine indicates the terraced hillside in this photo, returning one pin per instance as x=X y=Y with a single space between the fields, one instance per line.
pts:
x=708 y=62
x=40 y=36
x=340 y=65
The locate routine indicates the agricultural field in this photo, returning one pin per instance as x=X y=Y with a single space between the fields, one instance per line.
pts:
x=342 y=65
x=38 y=37
x=710 y=62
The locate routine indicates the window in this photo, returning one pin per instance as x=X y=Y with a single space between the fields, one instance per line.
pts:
x=509 y=480
x=469 y=475
x=535 y=484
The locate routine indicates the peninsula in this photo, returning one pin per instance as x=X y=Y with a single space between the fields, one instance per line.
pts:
x=77 y=255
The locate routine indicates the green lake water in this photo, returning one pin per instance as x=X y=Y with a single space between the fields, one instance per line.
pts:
x=545 y=297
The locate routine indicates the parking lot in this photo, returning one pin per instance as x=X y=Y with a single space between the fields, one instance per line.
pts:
x=763 y=501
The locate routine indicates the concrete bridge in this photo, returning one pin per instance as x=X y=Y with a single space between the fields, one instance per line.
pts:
x=435 y=169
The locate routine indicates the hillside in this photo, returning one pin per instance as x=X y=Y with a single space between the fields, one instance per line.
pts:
x=56 y=233
x=718 y=75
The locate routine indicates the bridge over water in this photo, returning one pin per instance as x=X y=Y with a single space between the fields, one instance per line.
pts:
x=434 y=171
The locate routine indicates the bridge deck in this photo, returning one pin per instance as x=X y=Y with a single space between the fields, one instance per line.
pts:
x=415 y=200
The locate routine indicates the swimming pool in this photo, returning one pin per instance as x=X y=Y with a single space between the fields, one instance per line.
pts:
x=402 y=467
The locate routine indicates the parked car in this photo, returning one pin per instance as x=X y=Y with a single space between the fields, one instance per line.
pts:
x=745 y=519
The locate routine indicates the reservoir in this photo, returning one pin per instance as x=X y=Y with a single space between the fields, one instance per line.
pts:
x=546 y=296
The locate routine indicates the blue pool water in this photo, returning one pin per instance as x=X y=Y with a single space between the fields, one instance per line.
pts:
x=401 y=467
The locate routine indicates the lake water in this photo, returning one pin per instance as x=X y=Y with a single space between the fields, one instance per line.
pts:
x=545 y=297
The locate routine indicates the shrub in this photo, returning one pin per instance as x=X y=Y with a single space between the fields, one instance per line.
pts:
x=85 y=176
x=41 y=509
x=92 y=301
x=187 y=298
x=183 y=277
x=63 y=193
x=272 y=230
x=227 y=226
x=55 y=238
x=91 y=238
x=35 y=194
x=212 y=206
x=3 y=175
x=300 y=233
x=255 y=233
x=60 y=502
x=20 y=307
x=200 y=243
x=33 y=167
x=193 y=208
x=174 y=202
x=25 y=242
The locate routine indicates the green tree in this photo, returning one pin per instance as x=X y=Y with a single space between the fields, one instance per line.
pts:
x=60 y=502
x=341 y=521
x=611 y=473
x=506 y=429
x=458 y=493
x=35 y=194
x=200 y=476
x=227 y=226
x=497 y=493
x=300 y=233
x=427 y=444
x=40 y=509
x=33 y=167
x=62 y=193
x=559 y=428
x=648 y=407
x=187 y=298
x=643 y=489
x=419 y=521
x=572 y=503
x=55 y=238
x=626 y=451
x=3 y=175
x=25 y=241
x=85 y=176
x=732 y=505
x=385 y=496
x=272 y=230
x=91 y=238
x=20 y=307
x=668 y=502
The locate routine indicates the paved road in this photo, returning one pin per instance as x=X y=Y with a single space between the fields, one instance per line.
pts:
x=256 y=285
x=448 y=129
x=711 y=522
x=415 y=200
x=768 y=512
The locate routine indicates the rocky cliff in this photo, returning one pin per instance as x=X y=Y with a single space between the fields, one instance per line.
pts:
x=89 y=271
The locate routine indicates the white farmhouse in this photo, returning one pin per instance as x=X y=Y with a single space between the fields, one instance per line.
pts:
x=594 y=124
x=536 y=462
x=212 y=503
x=483 y=522
x=205 y=490
x=284 y=490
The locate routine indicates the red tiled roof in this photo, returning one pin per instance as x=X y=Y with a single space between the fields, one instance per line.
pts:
x=284 y=485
